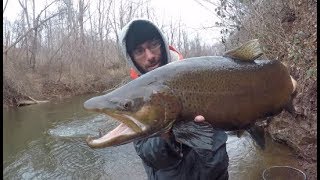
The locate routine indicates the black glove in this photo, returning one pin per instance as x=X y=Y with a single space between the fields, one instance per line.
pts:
x=212 y=156
x=157 y=152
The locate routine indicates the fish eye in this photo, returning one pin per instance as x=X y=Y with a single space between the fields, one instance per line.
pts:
x=127 y=105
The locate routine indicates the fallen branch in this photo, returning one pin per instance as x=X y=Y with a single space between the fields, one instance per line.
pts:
x=29 y=102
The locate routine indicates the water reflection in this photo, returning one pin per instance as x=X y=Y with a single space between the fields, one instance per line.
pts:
x=46 y=141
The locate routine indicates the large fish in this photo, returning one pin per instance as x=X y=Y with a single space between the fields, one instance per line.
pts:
x=232 y=92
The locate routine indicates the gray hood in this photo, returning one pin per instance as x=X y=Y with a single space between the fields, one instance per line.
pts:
x=169 y=56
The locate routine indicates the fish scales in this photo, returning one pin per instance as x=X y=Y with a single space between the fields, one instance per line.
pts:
x=224 y=90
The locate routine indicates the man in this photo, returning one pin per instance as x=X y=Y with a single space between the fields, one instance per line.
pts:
x=145 y=49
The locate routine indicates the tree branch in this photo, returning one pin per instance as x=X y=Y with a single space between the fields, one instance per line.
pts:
x=5 y=6
x=26 y=33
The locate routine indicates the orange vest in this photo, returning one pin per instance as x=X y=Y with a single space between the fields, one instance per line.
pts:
x=134 y=74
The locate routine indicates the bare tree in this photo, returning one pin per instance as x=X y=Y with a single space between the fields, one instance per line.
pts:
x=28 y=32
x=81 y=13
x=74 y=43
x=125 y=11
x=186 y=44
x=5 y=6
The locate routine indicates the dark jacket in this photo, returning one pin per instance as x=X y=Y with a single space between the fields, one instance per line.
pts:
x=162 y=162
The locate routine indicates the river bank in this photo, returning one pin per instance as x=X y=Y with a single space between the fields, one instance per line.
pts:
x=41 y=89
x=299 y=132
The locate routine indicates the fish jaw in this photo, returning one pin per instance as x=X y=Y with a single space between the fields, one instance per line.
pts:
x=145 y=122
x=120 y=135
x=129 y=130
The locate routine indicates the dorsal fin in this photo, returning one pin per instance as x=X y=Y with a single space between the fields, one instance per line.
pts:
x=249 y=51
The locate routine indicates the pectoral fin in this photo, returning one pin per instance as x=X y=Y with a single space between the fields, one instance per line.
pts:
x=257 y=134
x=240 y=133
x=194 y=134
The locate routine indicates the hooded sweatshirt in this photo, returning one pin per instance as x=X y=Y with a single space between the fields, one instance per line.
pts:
x=138 y=31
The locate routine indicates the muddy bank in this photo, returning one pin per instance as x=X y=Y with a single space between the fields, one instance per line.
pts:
x=49 y=90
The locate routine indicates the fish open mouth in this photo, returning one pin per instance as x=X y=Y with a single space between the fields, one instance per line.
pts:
x=126 y=132
x=116 y=136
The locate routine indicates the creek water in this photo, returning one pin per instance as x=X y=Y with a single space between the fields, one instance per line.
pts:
x=47 y=141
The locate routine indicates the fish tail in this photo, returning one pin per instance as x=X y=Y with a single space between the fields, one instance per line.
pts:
x=294 y=84
x=240 y=133
x=289 y=106
x=249 y=51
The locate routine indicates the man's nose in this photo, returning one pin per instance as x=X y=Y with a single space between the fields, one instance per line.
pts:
x=149 y=54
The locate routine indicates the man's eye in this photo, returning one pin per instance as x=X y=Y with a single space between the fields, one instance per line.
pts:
x=138 y=51
x=155 y=44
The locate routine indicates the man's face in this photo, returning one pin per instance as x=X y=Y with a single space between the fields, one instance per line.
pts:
x=148 y=55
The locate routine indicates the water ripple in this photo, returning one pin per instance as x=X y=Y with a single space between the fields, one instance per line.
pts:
x=61 y=153
x=82 y=127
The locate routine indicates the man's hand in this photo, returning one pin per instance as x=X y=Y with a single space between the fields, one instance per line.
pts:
x=199 y=118
x=167 y=135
